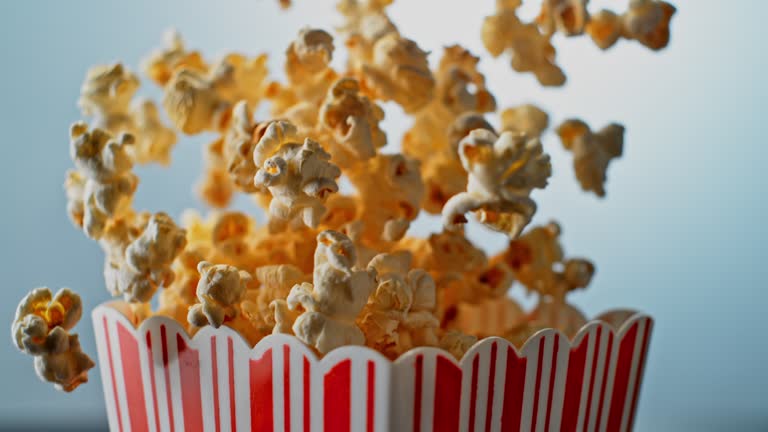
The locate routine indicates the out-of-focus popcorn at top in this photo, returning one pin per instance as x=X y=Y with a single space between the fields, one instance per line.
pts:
x=337 y=267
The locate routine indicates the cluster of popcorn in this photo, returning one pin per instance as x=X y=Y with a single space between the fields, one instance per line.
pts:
x=328 y=267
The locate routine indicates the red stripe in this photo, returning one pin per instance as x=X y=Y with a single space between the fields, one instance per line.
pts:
x=591 y=389
x=112 y=374
x=164 y=346
x=639 y=377
x=231 y=361
x=287 y=387
x=514 y=387
x=552 y=376
x=337 y=401
x=537 y=388
x=261 y=393
x=307 y=394
x=605 y=379
x=371 y=397
x=473 y=392
x=491 y=384
x=134 y=390
x=621 y=380
x=215 y=377
x=573 y=385
x=152 y=380
x=447 y=395
x=191 y=400
x=417 y=393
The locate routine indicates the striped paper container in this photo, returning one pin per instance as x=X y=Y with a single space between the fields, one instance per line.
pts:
x=157 y=378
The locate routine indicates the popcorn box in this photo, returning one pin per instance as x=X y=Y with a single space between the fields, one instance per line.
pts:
x=157 y=378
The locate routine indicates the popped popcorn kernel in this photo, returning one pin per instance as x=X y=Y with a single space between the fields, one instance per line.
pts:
x=647 y=21
x=592 y=151
x=41 y=329
x=526 y=119
x=220 y=291
x=565 y=16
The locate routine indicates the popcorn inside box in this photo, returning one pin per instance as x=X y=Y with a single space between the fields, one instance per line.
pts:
x=334 y=315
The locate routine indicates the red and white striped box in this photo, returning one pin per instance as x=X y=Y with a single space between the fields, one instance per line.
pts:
x=157 y=378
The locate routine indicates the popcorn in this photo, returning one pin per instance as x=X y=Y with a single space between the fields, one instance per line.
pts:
x=335 y=297
x=299 y=178
x=193 y=103
x=503 y=170
x=40 y=329
x=647 y=21
x=220 y=290
x=268 y=310
x=106 y=96
x=239 y=78
x=353 y=121
x=592 y=152
x=103 y=187
x=230 y=238
x=154 y=140
x=605 y=28
x=146 y=263
x=457 y=343
x=526 y=119
x=163 y=63
x=566 y=16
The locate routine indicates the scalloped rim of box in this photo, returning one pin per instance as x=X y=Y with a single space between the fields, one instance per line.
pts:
x=344 y=351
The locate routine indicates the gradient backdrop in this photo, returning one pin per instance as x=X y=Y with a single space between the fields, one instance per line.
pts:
x=681 y=234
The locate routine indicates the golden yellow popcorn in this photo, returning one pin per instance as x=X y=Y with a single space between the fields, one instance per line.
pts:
x=526 y=119
x=220 y=291
x=154 y=140
x=647 y=21
x=457 y=343
x=565 y=16
x=146 y=264
x=336 y=296
x=106 y=96
x=163 y=63
x=268 y=310
x=237 y=147
x=176 y=298
x=239 y=78
x=503 y=170
x=217 y=186
x=298 y=176
x=40 y=329
x=592 y=151
x=104 y=186
x=399 y=71
x=353 y=122
x=194 y=104
x=605 y=28
x=230 y=238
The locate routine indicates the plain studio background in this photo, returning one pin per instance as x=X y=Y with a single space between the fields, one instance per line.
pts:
x=679 y=235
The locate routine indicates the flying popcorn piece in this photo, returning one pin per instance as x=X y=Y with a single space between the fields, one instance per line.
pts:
x=41 y=329
x=146 y=264
x=568 y=17
x=335 y=298
x=298 y=176
x=399 y=71
x=605 y=28
x=353 y=122
x=526 y=119
x=163 y=63
x=154 y=140
x=220 y=291
x=503 y=171
x=103 y=187
x=592 y=151
x=106 y=96
x=194 y=104
x=647 y=21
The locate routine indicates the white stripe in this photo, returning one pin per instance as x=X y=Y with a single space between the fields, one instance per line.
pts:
x=157 y=358
x=106 y=376
x=358 y=384
x=428 y=384
x=638 y=348
x=466 y=390
x=117 y=360
x=175 y=378
x=317 y=402
x=546 y=371
x=531 y=352
x=277 y=387
x=402 y=397
x=563 y=356
x=483 y=374
x=297 y=389
x=609 y=385
x=587 y=376
x=222 y=366
x=202 y=342
x=241 y=363
x=498 y=384
x=602 y=352
x=383 y=378
x=146 y=379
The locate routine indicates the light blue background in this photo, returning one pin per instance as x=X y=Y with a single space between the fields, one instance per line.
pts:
x=681 y=234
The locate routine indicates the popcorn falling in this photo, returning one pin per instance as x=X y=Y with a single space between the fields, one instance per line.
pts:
x=328 y=267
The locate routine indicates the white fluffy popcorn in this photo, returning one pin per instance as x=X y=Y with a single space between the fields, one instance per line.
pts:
x=220 y=291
